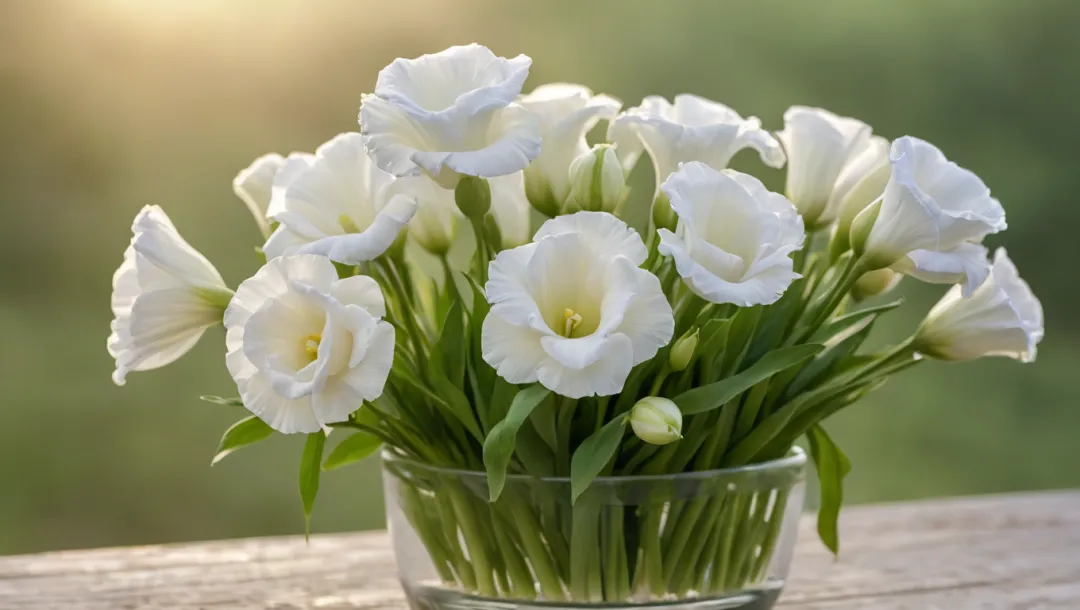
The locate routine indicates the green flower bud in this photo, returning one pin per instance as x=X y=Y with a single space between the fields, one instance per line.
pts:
x=540 y=195
x=873 y=283
x=683 y=351
x=662 y=215
x=656 y=420
x=473 y=197
x=596 y=179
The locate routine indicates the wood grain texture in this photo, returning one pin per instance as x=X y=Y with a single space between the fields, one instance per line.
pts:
x=1007 y=552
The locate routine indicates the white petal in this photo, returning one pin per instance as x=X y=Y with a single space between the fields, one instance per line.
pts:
x=648 y=321
x=511 y=141
x=162 y=326
x=368 y=377
x=966 y=264
x=254 y=185
x=157 y=239
x=466 y=79
x=273 y=280
x=294 y=165
x=513 y=351
x=282 y=414
x=511 y=208
x=605 y=233
x=628 y=145
x=508 y=288
x=360 y=290
x=605 y=376
x=862 y=181
x=356 y=248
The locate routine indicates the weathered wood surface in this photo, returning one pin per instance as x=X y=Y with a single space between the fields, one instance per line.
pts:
x=1010 y=551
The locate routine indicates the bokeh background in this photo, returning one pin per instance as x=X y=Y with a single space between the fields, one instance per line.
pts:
x=109 y=105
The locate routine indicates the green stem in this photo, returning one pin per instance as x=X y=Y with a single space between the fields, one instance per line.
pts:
x=474 y=541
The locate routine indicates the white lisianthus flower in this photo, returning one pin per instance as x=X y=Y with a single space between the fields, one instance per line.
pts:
x=566 y=113
x=254 y=186
x=165 y=294
x=511 y=209
x=338 y=206
x=734 y=238
x=1002 y=317
x=573 y=310
x=451 y=113
x=304 y=347
x=691 y=129
x=819 y=145
x=930 y=220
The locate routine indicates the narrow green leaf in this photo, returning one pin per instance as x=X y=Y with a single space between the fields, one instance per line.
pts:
x=743 y=327
x=543 y=420
x=837 y=348
x=832 y=466
x=351 y=450
x=714 y=395
x=228 y=402
x=451 y=340
x=593 y=455
x=310 y=468
x=499 y=445
x=241 y=434
x=848 y=320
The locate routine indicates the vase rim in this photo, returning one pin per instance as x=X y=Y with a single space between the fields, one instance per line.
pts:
x=795 y=458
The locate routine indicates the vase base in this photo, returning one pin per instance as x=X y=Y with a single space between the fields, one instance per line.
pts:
x=442 y=598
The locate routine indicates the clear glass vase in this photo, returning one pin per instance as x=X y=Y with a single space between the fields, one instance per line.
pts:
x=711 y=540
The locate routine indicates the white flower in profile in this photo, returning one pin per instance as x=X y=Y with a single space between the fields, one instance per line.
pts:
x=691 y=129
x=435 y=224
x=511 y=208
x=450 y=114
x=819 y=145
x=572 y=309
x=1002 y=317
x=254 y=186
x=566 y=114
x=165 y=294
x=734 y=239
x=337 y=205
x=305 y=348
x=931 y=219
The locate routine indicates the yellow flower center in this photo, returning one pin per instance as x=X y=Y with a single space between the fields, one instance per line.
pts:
x=571 y=320
x=311 y=345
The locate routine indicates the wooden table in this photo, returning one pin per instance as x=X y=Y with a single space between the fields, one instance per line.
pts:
x=1010 y=551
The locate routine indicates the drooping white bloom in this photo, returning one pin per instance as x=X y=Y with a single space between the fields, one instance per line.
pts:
x=165 y=294
x=573 y=310
x=1002 y=317
x=597 y=180
x=511 y=208
x=450 y=113
x=656 y=420
x=931 y=218
x=734 y=238
x=691 y=129
x=338 y=206
x=566 y=113
x=304 y=347
x=254 y=185
x=819 y=145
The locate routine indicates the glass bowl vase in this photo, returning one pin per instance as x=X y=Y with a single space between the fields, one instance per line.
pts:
x=709 y=540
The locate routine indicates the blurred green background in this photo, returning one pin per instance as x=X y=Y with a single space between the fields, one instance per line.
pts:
x=110 y=105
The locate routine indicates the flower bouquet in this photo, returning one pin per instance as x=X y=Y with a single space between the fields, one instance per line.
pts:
x=571 y=410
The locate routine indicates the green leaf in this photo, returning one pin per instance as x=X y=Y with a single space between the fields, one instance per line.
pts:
x=451 y=340
x=499 y=445
x=543 y=420
x=218 y=400
x=241 y=434
x=837 y=348
x=742 y=329
x=351 y=450
x=712 y=396
x=310 y=468
x=593 y=455
x=848 y=320
x=832 y=466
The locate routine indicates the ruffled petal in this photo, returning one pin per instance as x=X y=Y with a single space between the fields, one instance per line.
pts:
x=965 y=264
x=605 y=376
x=513 y=351
x=360 y=290
x=605 y=233
x=356 y=248
x=254 y=186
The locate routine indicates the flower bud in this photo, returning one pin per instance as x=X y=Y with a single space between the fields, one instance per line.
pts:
x=873 y=283
x=662 y=215
x=597 y=180
x=473 y=197
x=683 y=351
x=656 y=420
x=860 y=230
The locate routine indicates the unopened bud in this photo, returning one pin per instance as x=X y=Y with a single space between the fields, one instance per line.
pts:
x=873 y=283
x=662 y=215
x=596 y=180
x=473 y=197
x=656 y=420
x=683 y=351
